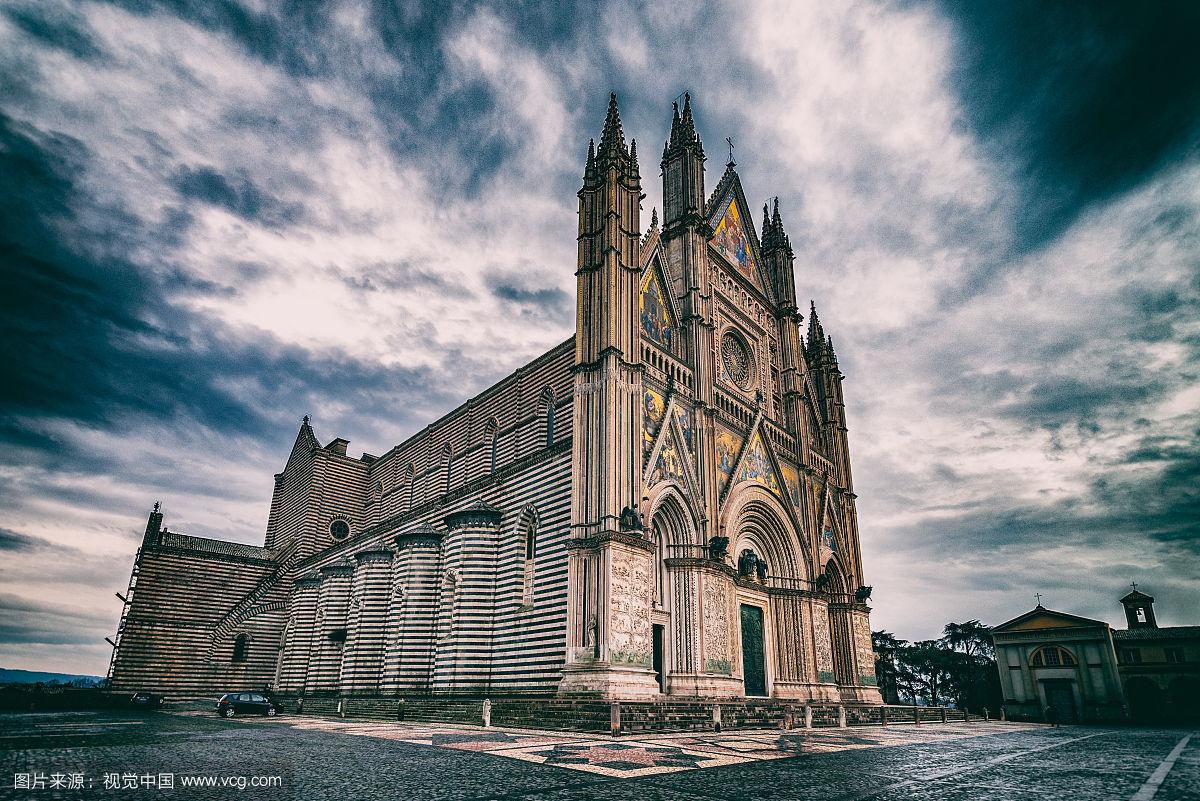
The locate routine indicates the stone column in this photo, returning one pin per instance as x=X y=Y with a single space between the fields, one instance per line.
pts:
x=415 y=572
x=464 y=647
x=369 y=609
x=298 y=649
x=333 y=599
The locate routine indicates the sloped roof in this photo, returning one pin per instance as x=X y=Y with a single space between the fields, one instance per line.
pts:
x=1148 y=633
x=1042 y=618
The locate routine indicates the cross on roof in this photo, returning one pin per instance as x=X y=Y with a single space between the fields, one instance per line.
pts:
x=1038 y=595
x=730 y=141
x=1134 y=585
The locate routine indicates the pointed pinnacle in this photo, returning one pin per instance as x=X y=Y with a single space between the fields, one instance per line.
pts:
x=654 y=218
x=612 y=140
x=633 y=162
x=689 y=125
x=589 y=170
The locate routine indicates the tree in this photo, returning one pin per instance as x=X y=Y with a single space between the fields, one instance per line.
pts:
x=925 y=669
x=886 y=646
x=975 y=679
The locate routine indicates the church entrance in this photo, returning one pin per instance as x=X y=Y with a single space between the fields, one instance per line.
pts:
x=1060 y=694
x=658 y=658
x=754 y=667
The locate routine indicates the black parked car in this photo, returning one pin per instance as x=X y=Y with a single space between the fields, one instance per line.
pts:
x=243 y=703
x=144 y=699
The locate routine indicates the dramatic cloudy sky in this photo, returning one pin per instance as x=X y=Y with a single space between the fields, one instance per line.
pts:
x=217 y=216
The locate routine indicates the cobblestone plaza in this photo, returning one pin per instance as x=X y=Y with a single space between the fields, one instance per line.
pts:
x=314 y=758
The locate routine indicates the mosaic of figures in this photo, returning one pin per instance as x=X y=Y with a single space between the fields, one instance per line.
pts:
x=653 y=411
x=828 y=513
x=656 y=321
x=685 y=425
x=756 y=466
x=729 y=445
x=670 y=462
x=791 y=480
x=732 y=242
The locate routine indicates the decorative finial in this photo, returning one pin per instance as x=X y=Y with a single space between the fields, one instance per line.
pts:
x=306 y=418
x=157 y=506
x=731 y=163
x=1038 y=595
x=654 y=218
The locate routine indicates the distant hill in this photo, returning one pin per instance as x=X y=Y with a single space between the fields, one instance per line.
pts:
x=37 y=677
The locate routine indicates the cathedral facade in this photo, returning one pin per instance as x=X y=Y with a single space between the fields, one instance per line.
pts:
x=662 y=504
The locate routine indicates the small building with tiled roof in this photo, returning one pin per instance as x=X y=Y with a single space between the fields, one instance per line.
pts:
x=1081 y=670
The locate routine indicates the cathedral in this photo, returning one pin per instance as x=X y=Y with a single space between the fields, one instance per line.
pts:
x=662 y=505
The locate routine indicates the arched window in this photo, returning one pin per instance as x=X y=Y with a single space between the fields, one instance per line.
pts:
x=491 y=439
x=546 y=411
x=448 y=464
x=406 y=487
x=1052 y=656
x=528 y=529
x=240 y=644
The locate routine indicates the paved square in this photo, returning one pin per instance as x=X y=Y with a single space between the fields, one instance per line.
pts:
x=315 y=758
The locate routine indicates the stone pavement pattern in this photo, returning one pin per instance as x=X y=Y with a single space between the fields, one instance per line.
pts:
x=328 y=759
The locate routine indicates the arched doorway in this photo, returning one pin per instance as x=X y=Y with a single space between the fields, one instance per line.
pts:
x=841 y=637
x=673 y=531
x=772 y=580
x=1145 y=699
x=1185 y=699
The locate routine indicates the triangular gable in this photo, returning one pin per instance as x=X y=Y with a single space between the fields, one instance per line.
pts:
x=669 y=465
x=734 y=238
x=756 y=465
x=830 y=524
x=670 y=460
x=1043 y=618
x=658 y=315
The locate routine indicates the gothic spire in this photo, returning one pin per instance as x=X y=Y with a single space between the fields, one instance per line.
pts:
x=633 y=162
x=612 y=140
x=816 y=334
x=766 y=230
x=589 y=171
x=688 y=125
x=780 y=236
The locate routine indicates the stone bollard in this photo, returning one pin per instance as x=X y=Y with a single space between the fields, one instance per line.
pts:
x=841 y=716
x=341 y=711
x=986 y=714
x=1003 y=714
x=487 y=713
x=614 y=718
x=717 y=718
x=883 y=716
x=400 y=709
x=917 y=715
x=944 y=712
x=808 y=716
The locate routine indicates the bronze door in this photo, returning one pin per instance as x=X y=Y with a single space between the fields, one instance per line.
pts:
x=754 y=668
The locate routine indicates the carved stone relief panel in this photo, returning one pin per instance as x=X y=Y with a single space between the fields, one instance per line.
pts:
x=718 y=639
x=821 y=643
x=629 y=605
